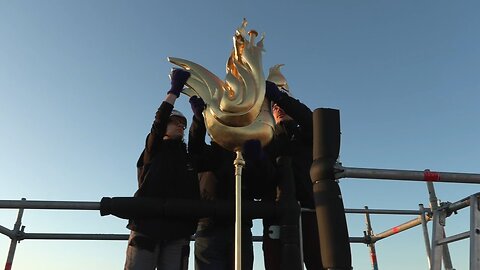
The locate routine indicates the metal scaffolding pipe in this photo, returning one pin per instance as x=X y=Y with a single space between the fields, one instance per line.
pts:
x=79 y=236
x=17 y=230
x=385 y=211
x=460 y=204
x=379 y=211
x=6 y=232
x=73 y=236
x=453 y=238
x=386 y=174
x=474 y=232
x=400 y=228
x=75 y=205
x=360 y=240
x=426 y=237
x=66 y=205
x=369 y=233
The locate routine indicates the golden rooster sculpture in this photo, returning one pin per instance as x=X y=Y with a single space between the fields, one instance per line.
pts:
x=236 y=108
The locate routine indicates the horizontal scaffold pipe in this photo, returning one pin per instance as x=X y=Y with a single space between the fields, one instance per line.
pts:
x=121 y=237
x=379 y=211
x=455 y=206
x=453 y=238
x=132 y=207
x=386 y=174
x=385 y=211
x=65 y=205
x=73 y=236
x=74 y=205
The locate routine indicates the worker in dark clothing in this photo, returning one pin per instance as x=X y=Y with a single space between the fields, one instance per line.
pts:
x=165 y=170
x=292 y=137
x=214 y=239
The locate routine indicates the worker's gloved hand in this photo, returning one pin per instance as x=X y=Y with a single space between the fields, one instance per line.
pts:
x=178 y=79
x=272 y=92
x=252 y=150
x=198 y=105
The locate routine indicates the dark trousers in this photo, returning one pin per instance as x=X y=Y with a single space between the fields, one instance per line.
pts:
x=215 y=248
x=272 y=248
x=144 y=253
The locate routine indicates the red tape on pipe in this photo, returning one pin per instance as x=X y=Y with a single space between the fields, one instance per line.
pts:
x=373 y=257
x=430 y=176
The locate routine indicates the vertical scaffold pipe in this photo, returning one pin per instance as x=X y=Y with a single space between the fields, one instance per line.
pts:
x=332 y=224
x=369 y=233
x=17 y=228
x=290 y=214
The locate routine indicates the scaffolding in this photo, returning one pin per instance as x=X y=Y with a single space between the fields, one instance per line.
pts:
x=436 y=248
x=325 y=173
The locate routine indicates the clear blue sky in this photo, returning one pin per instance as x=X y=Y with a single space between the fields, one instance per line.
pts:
x=80 y=82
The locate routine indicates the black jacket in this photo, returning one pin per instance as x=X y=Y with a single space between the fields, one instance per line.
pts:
x=165 y=170
x=257 y=174
x=294 y=138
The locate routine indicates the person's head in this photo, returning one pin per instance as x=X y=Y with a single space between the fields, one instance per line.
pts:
x=276 y=76
x=279 y=114
x=176 y=126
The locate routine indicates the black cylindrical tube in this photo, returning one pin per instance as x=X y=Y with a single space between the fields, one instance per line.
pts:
x=289 y=216
x=138 y=207
x=332 y=224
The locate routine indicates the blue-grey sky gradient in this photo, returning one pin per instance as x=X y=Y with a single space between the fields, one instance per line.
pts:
x=80 y=82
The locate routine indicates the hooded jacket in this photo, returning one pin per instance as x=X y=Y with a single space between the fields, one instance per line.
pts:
x=294 y=138
x=165 y=170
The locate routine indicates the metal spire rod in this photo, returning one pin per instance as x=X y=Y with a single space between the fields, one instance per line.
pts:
x=239 y=162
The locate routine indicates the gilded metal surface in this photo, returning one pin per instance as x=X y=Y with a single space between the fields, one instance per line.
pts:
x=276 y=76
x=236 y=108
